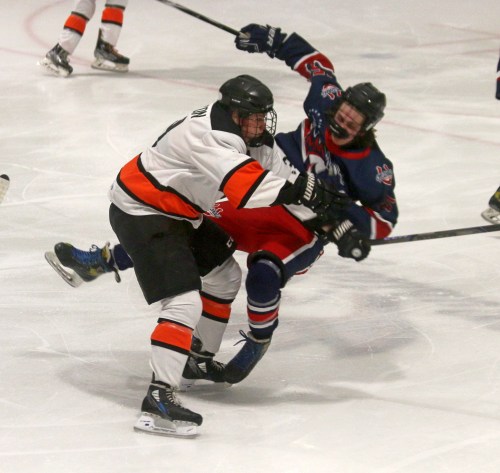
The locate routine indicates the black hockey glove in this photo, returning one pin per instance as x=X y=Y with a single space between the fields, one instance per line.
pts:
x=255 y=38
x=350 y=242
x=319 y=195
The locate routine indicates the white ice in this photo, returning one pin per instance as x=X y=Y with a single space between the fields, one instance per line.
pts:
x=390 y=365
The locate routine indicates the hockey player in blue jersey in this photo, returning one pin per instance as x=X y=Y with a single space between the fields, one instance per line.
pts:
x=337 y=139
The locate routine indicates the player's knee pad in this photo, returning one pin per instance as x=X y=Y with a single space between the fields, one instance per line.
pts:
x=224 y=281
x=263 y=281
x=271 y=257
x=184 y=309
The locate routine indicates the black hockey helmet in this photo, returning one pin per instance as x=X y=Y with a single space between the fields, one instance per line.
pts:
x=248 y=95
x=368 y=100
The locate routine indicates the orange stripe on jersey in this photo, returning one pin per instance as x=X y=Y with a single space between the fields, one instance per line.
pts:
x=143 y=187
x=172 y=336
x=76 y=23
x=113 y=15
x=216 y=310
x=239 y=185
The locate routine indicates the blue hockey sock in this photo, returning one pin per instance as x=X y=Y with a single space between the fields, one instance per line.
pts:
x=121 y=258
x=263 y=285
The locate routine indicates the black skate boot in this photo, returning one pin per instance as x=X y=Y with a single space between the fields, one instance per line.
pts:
x=89 y=265
x=494 y=202
x=201 y=365
x=163 y=414
x=492 y=213
x=56 y=61
x=107 y=58
x=245 y=360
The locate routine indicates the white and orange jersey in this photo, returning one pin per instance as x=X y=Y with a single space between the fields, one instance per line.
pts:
x=273 y=158
x=197 y=161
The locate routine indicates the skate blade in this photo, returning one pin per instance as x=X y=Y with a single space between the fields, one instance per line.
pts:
x=201 y=384
x=491 y=216
x=156 y=425
x=109 y=66
x=69 y=276
x=57 y=71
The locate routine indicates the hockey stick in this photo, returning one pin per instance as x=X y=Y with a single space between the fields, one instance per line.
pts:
x=434 y=235
x=200 y=17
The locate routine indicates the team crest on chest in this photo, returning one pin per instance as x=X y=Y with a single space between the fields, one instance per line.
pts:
x=331 y=91
x=215 y=211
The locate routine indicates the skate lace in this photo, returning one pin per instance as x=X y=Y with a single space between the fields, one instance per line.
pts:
x=217 y=366
x=115 y=51
x=172 y=398
x=110 y=49
x=62 y=56
x=89 y=258
x=247 y=337
x=244 y=339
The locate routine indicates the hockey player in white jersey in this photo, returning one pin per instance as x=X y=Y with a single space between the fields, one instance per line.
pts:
x=158 y=201
x=106 y=56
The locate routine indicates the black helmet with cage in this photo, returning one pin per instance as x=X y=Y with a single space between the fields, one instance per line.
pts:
x=248 y=95
x=366 y=99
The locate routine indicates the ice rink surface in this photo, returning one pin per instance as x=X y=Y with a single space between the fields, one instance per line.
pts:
x=390 y=365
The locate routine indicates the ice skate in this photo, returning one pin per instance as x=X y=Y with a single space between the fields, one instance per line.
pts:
x=245 y=360
x=68 y=275
x=494 y=202
x=201 y=366
x=492 y=214
x=56 y=61
x=107 y=58
x=4 y=185
x=83 y=265
x=163 y=414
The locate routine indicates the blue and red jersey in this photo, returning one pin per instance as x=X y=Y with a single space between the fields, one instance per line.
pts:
x=365 y=174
